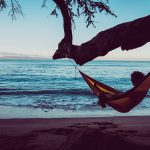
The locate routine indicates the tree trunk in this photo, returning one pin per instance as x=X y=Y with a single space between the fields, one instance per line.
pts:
x=67 y=20
x=129 y=35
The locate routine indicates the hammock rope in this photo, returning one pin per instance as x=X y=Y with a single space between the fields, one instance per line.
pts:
x=76 y=68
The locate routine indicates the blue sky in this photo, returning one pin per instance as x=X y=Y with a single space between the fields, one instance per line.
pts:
x=37 y=33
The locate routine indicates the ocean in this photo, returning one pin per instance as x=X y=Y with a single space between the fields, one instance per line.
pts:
x=55 y=86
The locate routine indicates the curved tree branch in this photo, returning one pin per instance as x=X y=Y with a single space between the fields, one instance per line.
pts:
x=129 y=35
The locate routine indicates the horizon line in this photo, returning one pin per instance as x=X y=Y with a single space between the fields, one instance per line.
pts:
x=50 y=58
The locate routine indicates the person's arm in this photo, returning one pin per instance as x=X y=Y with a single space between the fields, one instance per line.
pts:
x=104 y=97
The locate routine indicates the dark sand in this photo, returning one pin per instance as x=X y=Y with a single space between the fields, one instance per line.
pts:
x=76 y=133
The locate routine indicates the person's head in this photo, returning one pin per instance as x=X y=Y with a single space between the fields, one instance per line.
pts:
x=136 y=77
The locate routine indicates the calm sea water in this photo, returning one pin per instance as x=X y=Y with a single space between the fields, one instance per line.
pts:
x=49 y=84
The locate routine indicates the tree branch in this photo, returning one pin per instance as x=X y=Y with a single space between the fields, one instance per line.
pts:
x=67 y=20
x=129 y=35
x=87 y=8
x=3 y=4
x=15 y=9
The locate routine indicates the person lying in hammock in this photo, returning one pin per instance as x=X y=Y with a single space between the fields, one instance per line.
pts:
x=136 y=77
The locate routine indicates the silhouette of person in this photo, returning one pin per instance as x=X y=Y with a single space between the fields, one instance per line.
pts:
x=136 y=77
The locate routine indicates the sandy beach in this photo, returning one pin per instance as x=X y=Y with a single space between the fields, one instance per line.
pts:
x=76 y=133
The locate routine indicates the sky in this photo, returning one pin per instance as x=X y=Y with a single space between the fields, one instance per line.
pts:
x=37 y=34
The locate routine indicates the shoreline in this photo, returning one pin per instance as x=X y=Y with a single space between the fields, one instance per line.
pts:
x=10 y=112
x=36 y=129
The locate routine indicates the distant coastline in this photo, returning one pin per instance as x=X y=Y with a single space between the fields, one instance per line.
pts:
x=18 y=56
x=46 y=58
x=24 y=58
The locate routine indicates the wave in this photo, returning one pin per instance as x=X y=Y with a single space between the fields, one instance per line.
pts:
x=49 y=92
x=7 y=89
x=41 y=92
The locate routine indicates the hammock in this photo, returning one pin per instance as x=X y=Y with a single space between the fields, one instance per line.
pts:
x=120 y=101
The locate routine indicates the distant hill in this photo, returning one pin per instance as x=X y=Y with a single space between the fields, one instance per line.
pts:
x=17 y=56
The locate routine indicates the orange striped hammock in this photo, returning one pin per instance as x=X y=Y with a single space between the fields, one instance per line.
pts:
x=120 y=101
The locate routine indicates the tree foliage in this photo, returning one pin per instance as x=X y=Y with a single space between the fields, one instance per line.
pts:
x=85 y=8
x=2 y=4
x=76 y=8
x=15 y=7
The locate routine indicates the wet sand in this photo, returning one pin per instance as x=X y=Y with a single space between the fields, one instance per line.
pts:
x=75 y=133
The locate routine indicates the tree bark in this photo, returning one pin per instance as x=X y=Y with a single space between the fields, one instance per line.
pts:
x=129 y=35
x=67 y=20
